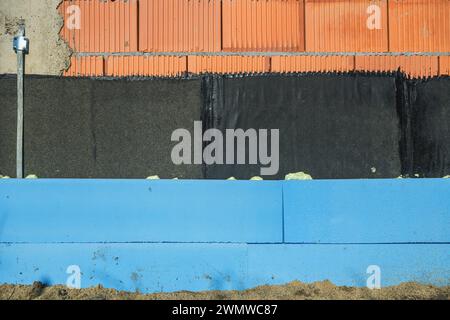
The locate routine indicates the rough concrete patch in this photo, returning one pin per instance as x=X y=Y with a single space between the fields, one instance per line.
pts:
x=11 y=26
x=49 y=54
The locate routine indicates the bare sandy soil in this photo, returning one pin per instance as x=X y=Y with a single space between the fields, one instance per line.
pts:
x=292 y=291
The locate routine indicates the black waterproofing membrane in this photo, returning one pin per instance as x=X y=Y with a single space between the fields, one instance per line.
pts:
x=89 y=128
x=330 y=125
x=429 y=127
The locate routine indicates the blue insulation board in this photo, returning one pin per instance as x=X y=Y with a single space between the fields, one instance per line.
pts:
x=168 y=267
x=164 y=236
x=367 y=211
x=140 y=211
x=347 y=264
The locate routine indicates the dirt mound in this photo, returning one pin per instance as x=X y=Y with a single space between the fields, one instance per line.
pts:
x=292 y=291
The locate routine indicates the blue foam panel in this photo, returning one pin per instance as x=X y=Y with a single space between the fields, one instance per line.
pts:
x=128 y=266
x=367 y=211
x=140 y=210
x=164 y=236
x=169 y=267
x=347 y=264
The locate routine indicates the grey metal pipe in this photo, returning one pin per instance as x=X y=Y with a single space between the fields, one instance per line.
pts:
x=20 y=102
x=20 y=46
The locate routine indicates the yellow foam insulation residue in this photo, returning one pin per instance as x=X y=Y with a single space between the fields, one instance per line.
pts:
x=153 y=178
x=32 y=176
x=298 y=176
x=256 y=178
